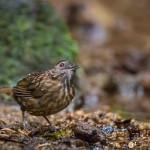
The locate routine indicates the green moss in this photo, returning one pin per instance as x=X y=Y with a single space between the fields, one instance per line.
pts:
x=32 y=37
x=55 y=134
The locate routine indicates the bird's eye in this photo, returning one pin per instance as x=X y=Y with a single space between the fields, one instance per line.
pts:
x=61 y=65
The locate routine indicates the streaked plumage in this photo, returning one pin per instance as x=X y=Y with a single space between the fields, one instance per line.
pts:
x=46 y=92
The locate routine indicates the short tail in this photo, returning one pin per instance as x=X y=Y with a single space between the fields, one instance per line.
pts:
x=6 y=90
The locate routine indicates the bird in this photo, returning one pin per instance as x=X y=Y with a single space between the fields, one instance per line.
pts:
x=45 y=93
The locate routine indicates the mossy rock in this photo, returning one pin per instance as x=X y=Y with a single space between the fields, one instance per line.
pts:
x=32 y=38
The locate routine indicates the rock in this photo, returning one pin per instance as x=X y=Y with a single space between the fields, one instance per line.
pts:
x=107 y=130
x=91 y=134
x=131 y=144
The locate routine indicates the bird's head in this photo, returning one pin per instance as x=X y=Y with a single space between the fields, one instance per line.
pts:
x=66 y=69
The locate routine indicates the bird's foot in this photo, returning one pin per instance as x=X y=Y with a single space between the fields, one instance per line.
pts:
x=25 y=125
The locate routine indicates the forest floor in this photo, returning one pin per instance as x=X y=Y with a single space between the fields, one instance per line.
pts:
x=73 y=130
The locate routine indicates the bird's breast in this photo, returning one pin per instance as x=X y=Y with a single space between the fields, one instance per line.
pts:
x=58 y=97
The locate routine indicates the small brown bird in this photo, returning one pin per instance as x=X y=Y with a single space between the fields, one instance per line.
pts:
x=46 y=92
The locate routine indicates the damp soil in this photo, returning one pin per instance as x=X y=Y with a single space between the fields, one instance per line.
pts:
x=71 y=130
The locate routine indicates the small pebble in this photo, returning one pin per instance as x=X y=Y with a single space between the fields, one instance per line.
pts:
x=108 y=129
x=117 y=145
x=131 y=144
x=114 y=135
x=121 y=139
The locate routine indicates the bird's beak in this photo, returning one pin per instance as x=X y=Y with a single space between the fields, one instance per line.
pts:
x=75 y=67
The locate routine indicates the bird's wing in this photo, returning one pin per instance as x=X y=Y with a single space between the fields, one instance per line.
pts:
x=29 y=87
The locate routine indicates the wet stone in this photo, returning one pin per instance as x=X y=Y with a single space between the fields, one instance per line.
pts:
x=123 y=124
x=133 y=131
x=107 y=130
x=86 y=132
x=131 y=144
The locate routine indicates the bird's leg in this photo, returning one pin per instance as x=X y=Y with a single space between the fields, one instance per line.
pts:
x=47 y=120
x=23 y=119
x=52 y=127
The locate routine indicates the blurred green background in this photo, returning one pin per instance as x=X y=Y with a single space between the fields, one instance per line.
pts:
x=32 y=37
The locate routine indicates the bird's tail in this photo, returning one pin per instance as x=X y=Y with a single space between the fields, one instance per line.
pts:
x=6 y=90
